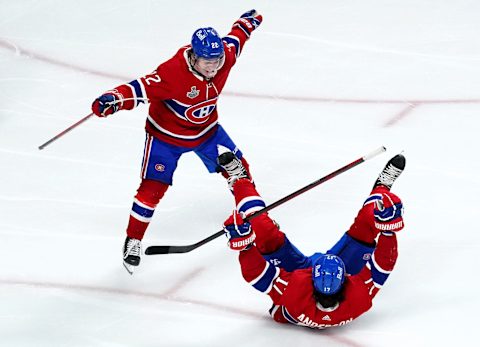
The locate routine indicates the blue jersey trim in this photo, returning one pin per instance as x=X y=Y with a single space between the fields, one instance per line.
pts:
x=288 y=316
x=378 y=275
x=138 y=91
x=229 y=40
x=264 y=283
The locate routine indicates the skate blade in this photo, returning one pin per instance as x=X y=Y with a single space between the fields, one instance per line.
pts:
x=129 y=268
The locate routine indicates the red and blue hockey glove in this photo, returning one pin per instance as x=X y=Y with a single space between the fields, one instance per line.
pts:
x=106 y=104
x=249 y=21
x=388 y=213
x=239 y=233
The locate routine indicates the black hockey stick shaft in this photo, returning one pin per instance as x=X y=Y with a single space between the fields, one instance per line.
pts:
x=56 y=137
x=187 y=248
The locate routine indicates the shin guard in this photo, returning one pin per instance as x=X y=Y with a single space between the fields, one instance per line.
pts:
x=148 y=195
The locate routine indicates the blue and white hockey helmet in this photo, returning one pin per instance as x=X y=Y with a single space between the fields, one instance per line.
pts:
x=207 y=44
x=328 y=274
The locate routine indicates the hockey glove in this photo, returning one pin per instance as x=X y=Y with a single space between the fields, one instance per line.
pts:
x=388 y=213
x=106 y=104
x=239 y=233
x=249 y=21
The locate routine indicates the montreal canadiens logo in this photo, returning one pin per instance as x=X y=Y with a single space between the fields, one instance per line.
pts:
x=160 y=167
x=200 y=113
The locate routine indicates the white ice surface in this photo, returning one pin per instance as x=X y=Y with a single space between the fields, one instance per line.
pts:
x=320 y=84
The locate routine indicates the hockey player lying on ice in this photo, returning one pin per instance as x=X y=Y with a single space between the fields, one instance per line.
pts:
x=322 y=290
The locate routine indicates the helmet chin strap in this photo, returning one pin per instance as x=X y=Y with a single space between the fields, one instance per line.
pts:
x=192 y=60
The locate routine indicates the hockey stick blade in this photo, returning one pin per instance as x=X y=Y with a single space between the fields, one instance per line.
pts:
x=165 y=249
x=152 y=250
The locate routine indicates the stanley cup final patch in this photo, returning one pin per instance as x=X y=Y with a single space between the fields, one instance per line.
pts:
x=193 y=93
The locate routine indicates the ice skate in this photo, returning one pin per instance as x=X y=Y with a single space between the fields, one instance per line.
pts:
x=131 y=254
x=233 y=166
x=391 y=172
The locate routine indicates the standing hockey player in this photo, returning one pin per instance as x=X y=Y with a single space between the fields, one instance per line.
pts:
x=182 y=117
x=322 y=290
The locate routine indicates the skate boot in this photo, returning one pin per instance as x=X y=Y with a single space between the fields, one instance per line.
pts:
x=233 y=166
x=391 y=172
x=131 y=254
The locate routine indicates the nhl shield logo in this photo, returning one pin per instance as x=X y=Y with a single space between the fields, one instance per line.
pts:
x=193 y=93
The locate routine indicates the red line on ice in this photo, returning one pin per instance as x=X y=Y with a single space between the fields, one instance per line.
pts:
x=412 y=104
x=167 y=296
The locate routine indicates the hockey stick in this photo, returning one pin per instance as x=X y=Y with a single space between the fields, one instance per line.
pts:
x=187 y=248
x=80 y=122
x=65 y=131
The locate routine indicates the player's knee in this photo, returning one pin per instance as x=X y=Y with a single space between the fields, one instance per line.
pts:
x=288 y=257
x=363 y=228
x=269 y=237
x=150 y=192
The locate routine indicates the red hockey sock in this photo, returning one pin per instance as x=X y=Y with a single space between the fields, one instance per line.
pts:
x=363 y=228
x=247 y=200
x=269 y=237
x=244 y=189
x=379 y=189
x=386 y=253
x=246 y=165
x=148 y=195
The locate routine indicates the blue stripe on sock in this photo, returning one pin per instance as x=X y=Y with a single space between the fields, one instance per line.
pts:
x=372 y=198
x=144 y=212
x=250 y=204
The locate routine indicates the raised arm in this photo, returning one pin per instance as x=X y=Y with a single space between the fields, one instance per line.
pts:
x=241 y=30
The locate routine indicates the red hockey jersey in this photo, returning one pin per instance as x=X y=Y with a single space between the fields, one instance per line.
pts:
x=183 y=104
x=297 y=304
x=292 y=293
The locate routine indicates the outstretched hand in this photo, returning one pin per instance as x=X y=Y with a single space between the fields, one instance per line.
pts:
x=106 y=105
x=250 y=20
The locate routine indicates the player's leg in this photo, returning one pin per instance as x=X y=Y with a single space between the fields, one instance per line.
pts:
x=269 y=238
x=158 y=165
x=382 y=262
x=357 y=244
x=272 y=243
x=220 y=143
x=387 y=220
